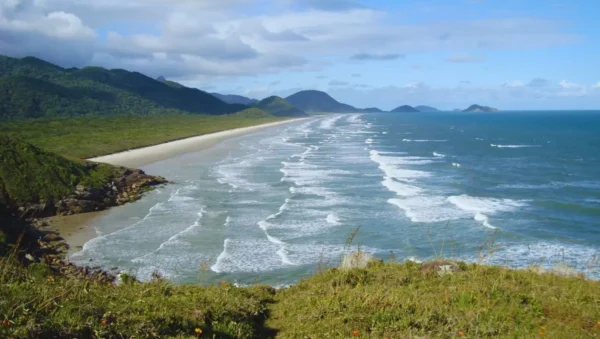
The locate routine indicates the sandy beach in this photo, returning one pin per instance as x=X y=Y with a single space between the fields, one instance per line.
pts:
x=146 y=155
x=76 y=229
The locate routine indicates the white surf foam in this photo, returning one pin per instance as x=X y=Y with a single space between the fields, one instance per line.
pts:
x=424 y=209
x=328 y=123
x=302 y=174
x=400 y=188
x=514 y=146
x=389 y=165
x=439 y=155
x=481 y=207
x=310 y=149
x=282 y=208
x=281 y=252
x=333 y=219
x=307 y=190
x=176 y=238
x=354 y=119
x=369 y=141
x=456 y=164
x=223 y=256
x=484 y=220
x=422 y=140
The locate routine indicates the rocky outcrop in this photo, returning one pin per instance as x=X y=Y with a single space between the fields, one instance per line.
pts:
x=440 y=267
x=123 y=189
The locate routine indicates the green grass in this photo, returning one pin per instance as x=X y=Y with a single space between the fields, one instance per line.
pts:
x=36 y=304
x=398 y=301
x=85 y=137
x=30 y=174
x=384 y=300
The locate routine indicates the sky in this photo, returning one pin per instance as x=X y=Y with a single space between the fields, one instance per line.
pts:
x=510 y=54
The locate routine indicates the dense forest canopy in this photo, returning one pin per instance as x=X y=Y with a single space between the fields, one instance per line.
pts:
x=33 y=88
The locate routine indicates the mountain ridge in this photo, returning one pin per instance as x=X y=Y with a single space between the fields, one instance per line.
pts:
x=313 y=101
x=34 y=88
x=278 y=107
x=234 y=98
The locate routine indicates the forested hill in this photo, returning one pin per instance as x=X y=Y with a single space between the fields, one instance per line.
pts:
x=278 y=107
x=317 y=101
x=31 y=88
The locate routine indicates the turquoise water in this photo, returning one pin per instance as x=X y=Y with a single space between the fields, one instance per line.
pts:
x=271 y=206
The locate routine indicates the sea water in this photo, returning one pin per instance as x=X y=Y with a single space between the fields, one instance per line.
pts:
x=513 y=188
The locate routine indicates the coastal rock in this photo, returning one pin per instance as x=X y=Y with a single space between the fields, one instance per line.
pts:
x=357 y=260
x=74 y=206
x=36 y=210
x=52 y=237
x=89 y=194
x=440 y=267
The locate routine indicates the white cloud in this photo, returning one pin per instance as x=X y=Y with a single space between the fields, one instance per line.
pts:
x=570 y=85
x=596 y=85
x=206 y=39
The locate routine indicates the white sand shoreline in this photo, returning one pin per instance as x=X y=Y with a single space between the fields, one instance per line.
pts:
x=146 y=155
x=77 y=230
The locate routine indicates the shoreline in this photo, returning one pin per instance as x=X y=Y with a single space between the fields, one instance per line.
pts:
x=76 y=229
x=143 y=156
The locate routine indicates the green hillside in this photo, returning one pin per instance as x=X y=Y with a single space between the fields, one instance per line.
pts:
x=29 y=174
x=33 y=88
x=312 y=101
x=234 y=99
x=278 y=107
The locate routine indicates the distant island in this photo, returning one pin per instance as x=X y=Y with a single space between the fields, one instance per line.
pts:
x=405 y=109
x=478 y=108
x=423 y=108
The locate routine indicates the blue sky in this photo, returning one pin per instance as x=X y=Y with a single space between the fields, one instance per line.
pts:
x=511 y=54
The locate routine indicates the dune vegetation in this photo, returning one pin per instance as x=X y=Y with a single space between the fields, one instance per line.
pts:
x=89 y=136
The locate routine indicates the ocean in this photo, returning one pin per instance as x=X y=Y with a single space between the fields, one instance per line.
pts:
x=511 y=188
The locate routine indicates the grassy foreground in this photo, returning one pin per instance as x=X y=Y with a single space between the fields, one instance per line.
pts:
x=85 y=137
x=385 y=300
